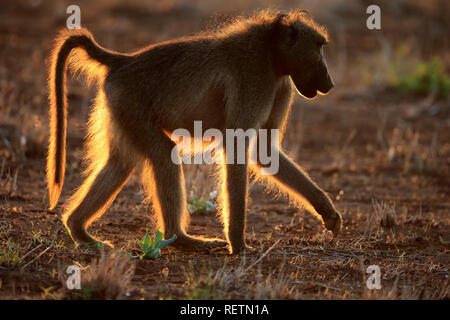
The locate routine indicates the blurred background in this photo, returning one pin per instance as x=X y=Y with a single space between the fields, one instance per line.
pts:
x=391 y=76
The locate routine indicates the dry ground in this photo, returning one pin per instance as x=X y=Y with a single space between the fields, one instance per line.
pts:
x=382 y=156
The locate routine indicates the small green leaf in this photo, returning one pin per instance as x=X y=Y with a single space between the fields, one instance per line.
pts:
x=155 y=254
x=153 y=249
x=164 y=243
x=158 y=237
x=147 y=242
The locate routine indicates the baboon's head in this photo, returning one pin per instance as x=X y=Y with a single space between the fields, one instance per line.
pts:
x=299 y=53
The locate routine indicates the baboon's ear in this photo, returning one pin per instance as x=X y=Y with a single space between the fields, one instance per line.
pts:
x=280 y=18
x=284 y=30
x=280 y=23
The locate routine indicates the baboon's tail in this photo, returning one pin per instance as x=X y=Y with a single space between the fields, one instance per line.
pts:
x=92 y=58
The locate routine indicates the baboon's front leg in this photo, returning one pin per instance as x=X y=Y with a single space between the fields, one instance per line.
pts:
x=292 y=177
x=236 y=189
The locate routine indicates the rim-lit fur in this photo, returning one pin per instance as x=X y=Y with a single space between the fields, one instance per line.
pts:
x=92 y=62
x=237 y=76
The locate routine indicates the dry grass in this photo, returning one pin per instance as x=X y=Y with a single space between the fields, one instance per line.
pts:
x=106 y=278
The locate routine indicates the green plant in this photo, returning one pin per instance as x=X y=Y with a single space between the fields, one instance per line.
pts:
x=426 y=78
x=200 y=205
x=86 y=293
x=152 y=249
x=92 y=245
x=205 y=291
x=9 y=255
x=37 y=238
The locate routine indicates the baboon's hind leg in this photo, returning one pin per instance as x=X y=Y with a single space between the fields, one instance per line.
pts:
x=170 y=196
x=94 y=196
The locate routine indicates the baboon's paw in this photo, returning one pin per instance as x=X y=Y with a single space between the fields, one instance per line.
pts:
x=333 y=222
x=247 y=251
x=243 y=250
x=187 y=243
x=84 y=240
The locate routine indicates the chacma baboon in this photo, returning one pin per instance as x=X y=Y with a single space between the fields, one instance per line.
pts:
x=238 y=76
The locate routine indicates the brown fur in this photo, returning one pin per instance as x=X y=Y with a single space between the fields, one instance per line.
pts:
x=236 y=77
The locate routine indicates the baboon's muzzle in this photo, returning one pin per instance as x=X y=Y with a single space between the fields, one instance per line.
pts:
x=326 y=85
x=323 y=84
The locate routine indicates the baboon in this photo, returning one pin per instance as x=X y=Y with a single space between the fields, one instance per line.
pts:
x=241 y=75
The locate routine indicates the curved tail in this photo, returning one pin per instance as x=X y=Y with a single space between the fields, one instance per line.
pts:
x=96 y=56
